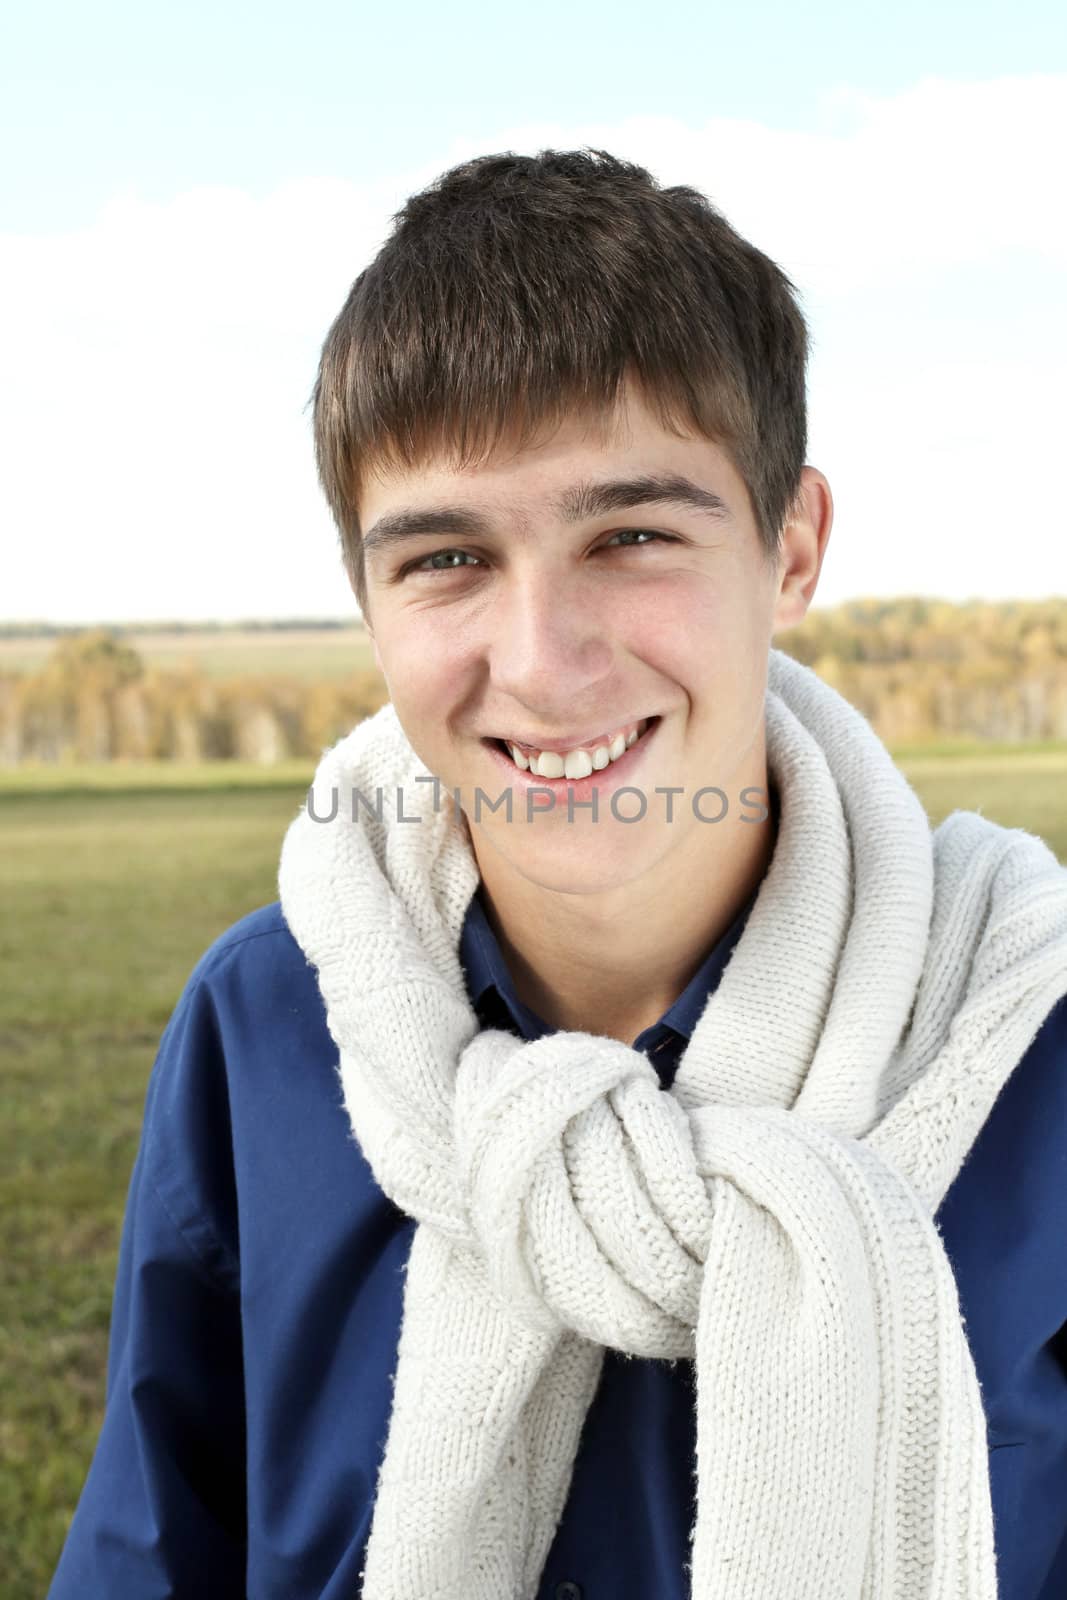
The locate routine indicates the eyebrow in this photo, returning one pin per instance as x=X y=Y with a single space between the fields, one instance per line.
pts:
x=579 y=503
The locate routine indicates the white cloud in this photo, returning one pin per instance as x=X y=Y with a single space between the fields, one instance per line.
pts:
x=157 y=365
x=943 y=174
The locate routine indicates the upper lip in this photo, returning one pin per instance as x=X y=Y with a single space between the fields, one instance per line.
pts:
x=561 y=746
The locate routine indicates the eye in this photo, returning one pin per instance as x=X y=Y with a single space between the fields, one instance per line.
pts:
x=421 y=565
x=666 y=538
x=424 y=563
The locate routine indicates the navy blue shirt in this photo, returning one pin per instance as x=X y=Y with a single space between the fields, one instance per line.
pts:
x=258 y=1299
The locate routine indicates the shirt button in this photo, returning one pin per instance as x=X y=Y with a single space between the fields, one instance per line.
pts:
x=568 y=1591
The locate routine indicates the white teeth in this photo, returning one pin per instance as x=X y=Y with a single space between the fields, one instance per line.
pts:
x=575 y=763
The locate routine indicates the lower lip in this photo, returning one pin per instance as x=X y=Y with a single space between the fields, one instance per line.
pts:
x=608 y=778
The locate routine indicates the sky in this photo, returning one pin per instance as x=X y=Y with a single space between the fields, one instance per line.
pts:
x=190 y=191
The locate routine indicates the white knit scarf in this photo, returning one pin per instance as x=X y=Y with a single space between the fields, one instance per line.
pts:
x=770 y=1216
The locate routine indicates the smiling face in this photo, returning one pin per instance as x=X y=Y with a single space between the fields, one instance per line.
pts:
x=540 y=611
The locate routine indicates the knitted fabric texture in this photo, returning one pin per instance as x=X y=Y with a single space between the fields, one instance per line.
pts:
x=769 y=1217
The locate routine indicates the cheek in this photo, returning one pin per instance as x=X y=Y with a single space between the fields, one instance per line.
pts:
x=730 y=622
x=427 y=677
x=681 y=628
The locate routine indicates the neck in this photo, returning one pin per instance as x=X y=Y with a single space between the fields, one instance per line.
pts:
x=611 y=965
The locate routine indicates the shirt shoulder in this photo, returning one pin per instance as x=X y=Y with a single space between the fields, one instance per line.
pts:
x=992 y=1222
x=261 y=937
x=244 y=1117
x=1053 y=1031
x=259 y=988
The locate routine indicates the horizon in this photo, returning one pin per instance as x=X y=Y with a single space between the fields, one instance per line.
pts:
x=27 y=626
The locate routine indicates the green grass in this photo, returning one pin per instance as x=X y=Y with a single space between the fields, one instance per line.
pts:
x=137 y=777
x=1027 y=790
x=109 y=899
x=115 y=883
x=985 y=750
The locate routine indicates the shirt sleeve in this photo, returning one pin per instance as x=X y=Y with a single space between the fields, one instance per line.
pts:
x=162 y=1511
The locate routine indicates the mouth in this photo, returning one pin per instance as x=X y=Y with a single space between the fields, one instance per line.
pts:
x=599 y=775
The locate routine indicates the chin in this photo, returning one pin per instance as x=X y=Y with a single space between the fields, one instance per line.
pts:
x=566 y=861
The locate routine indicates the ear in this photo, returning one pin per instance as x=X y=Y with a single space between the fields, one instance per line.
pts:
x=805 y=536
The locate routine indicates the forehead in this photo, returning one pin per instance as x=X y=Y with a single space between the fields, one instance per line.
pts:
x=534 y=474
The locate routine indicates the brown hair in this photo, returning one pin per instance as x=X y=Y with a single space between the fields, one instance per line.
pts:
x=516 y=289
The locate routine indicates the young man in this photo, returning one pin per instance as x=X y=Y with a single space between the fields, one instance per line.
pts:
x=589 y=1179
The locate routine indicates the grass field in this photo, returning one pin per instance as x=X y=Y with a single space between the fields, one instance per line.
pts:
x=115 y=883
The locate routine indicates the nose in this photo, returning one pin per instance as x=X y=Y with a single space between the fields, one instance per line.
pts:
x=550 y=648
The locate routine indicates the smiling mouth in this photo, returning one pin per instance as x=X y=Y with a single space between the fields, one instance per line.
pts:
x=650 y=724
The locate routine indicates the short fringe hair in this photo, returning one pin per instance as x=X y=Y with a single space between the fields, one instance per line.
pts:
x=515 y=290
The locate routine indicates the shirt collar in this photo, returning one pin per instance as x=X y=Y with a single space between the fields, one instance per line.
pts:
x=486 y=973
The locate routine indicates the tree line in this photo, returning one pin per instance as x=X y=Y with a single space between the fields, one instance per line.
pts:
x=917 y=669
